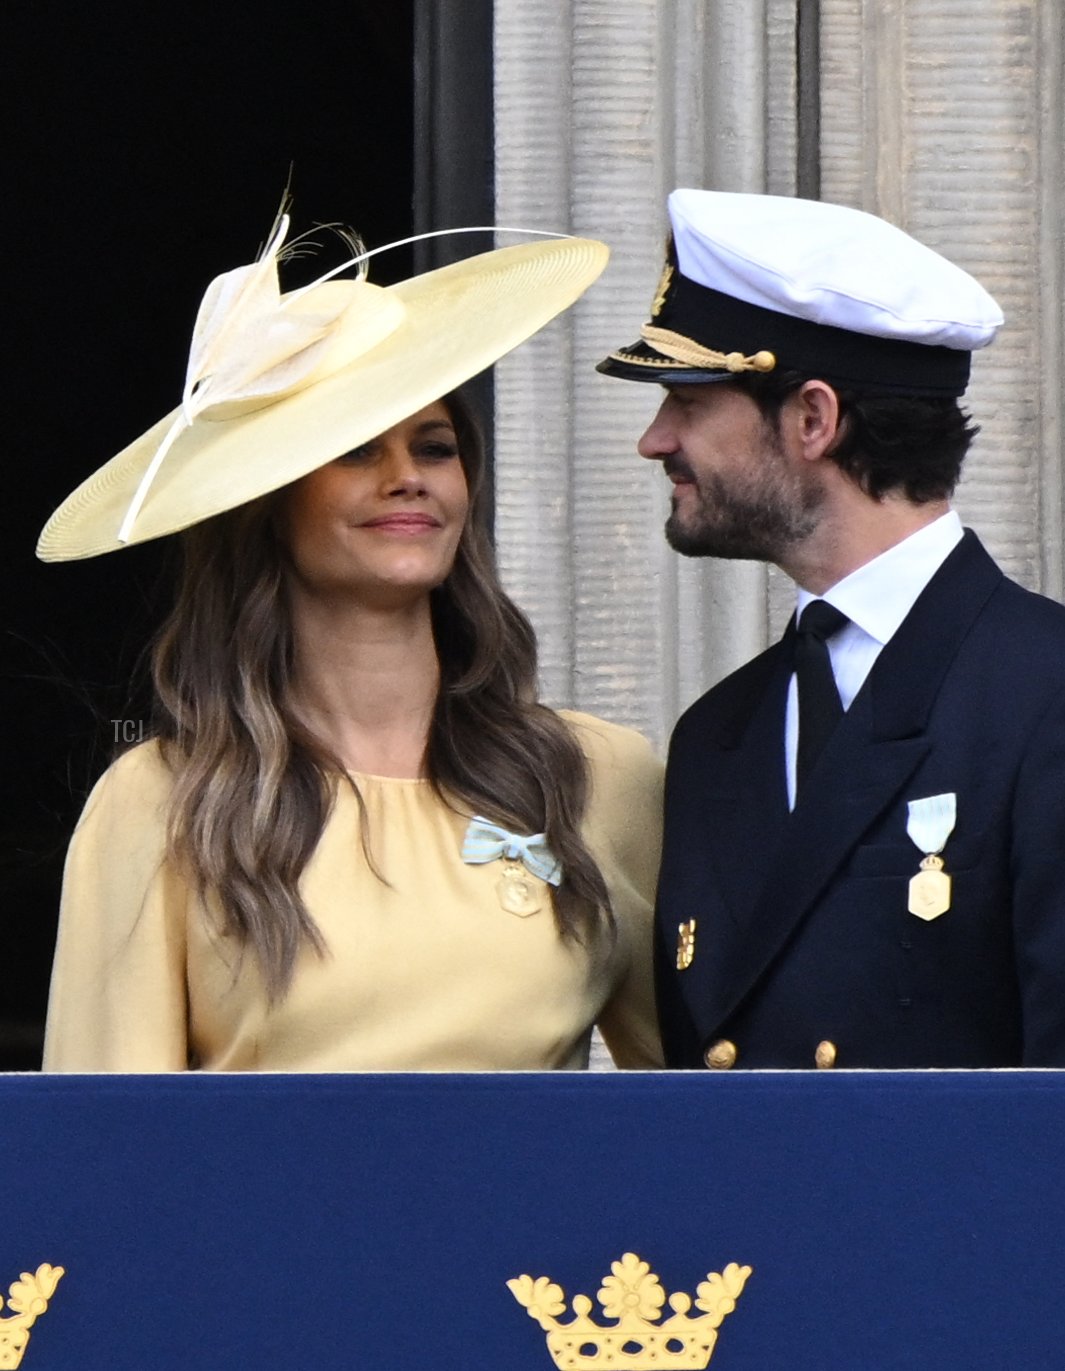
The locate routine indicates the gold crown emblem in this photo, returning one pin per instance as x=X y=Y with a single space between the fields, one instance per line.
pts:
x=658 y=303
x=27 y=1299
x=633 y=1296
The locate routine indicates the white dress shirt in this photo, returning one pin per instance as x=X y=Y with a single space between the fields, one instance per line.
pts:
x=875 y=598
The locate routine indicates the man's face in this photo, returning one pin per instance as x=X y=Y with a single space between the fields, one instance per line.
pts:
x=737 y=490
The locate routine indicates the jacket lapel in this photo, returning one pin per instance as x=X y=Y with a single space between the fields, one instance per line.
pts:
x=874 y=751
x=746 y=809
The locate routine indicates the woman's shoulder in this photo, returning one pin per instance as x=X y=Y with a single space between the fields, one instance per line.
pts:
x=608 y=744
x=135 y=786
x=622 y=823
x=626 y=774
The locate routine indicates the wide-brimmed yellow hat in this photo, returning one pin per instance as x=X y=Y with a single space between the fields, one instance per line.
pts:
x=278 y=385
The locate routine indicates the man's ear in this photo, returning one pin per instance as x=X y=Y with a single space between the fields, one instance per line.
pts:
x=816 y=418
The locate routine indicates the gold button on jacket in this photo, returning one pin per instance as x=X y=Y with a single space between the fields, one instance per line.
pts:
x=721 y=1055
x=825 y=1055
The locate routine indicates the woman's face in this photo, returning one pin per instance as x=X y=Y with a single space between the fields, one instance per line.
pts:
x=384 y=520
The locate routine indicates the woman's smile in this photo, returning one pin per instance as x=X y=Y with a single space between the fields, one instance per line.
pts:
x=403 y=523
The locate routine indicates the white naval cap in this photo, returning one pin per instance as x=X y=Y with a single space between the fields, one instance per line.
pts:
x=753 y=282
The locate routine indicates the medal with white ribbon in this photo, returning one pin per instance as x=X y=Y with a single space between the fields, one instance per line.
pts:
x=931 y=822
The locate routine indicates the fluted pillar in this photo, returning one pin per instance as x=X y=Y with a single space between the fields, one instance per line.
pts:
x=602 y=107
x=950 y=125
x=944 y=116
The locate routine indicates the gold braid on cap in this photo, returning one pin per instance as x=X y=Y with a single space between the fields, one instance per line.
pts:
x=687 y=351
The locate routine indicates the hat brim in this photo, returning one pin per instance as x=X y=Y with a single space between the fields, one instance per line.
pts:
x=643 y=363
x=457 y=321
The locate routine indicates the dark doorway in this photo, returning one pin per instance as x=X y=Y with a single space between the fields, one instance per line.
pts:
x=147 y=151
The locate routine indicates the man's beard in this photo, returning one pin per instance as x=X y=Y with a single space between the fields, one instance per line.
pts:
x=757 y=519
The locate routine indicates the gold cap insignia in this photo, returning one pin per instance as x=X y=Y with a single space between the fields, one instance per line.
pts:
x=663 y=290
x=27 y=1299
x=633 y=1296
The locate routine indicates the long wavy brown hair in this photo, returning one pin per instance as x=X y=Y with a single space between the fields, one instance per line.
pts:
x=253 y=788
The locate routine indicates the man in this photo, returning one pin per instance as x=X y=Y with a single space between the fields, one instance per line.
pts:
x=865 y=826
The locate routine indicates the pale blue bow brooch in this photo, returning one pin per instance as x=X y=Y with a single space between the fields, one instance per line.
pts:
x=523 y=856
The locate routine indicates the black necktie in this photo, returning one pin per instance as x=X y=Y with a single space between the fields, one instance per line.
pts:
x=820 y=709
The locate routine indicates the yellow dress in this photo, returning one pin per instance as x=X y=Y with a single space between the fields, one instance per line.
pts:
x=426 y=972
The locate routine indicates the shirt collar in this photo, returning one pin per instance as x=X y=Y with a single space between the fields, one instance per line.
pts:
x=879 y=595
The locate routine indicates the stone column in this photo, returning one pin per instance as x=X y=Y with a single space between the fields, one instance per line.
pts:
x=945 y=117
x=942 y=115
x=602 y=107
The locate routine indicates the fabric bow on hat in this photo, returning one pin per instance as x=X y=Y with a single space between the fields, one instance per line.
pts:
x=246 y=349
x=485 y=842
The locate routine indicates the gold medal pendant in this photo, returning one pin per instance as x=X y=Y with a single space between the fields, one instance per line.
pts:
x=518 y=892
x=930 y=889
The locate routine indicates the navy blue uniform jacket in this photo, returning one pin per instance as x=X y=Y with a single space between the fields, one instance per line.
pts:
x=802 y=928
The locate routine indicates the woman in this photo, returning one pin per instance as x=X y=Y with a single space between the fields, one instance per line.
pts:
x=356 y=842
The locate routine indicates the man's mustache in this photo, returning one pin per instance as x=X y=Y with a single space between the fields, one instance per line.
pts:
x=674 y=465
